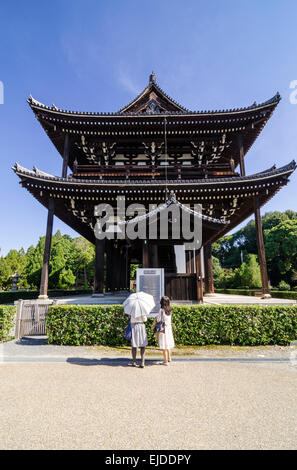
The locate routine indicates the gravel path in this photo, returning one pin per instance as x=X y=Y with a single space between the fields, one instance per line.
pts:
x=187 y=405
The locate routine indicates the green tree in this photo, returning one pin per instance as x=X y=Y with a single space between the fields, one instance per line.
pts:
x=281 y=251
x=5 y=272
x=218 y=273
x=83 y=260
x=248 y=275
x=34 y=264
x=66 y=279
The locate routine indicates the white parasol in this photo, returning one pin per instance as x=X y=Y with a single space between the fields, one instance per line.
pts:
x=139 y=304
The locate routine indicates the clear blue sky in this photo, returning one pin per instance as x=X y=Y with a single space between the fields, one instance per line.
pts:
x=96 y=55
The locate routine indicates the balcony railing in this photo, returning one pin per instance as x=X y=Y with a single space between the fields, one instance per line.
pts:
x=150 y=172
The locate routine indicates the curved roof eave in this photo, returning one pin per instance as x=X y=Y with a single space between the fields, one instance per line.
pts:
x=37 y=105
x=264 y=175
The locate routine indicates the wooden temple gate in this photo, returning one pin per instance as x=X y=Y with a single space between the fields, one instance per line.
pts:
x=142 y=152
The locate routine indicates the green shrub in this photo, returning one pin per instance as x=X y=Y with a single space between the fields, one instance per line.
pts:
x=284 y=295
x=284 y=286
x=7 y=314
x=193 y=325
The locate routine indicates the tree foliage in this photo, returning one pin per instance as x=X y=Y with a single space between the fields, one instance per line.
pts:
x=71 y=264
x=280 y=237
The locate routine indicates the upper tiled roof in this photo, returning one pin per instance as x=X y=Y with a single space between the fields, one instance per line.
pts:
x=157 y=102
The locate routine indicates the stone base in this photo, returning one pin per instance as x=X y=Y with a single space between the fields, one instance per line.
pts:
x=43 y=297
x=266 y=296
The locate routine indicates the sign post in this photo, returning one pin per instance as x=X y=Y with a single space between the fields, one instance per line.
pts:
x=151 y=281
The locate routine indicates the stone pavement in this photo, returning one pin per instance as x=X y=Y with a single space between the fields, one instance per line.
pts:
x=64 y=397
x=228 y=299
x=216 y=299
x=107 y=299
x=187 y=405
x=36 y=349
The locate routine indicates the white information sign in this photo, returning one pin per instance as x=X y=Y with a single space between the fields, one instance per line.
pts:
x=151 y=281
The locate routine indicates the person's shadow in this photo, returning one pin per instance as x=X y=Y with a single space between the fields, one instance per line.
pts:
x=105 y=361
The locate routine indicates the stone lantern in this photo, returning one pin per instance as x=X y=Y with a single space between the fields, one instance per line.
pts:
x=15 y=278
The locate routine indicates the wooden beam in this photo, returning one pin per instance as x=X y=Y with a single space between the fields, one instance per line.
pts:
x=47 y=251
x=199 y=276
x=99 y=268
x=241 y=155
x=208 y=272
x=261 y=249
x=65 y=156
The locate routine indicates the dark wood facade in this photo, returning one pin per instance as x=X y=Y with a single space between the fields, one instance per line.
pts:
x=150 y=148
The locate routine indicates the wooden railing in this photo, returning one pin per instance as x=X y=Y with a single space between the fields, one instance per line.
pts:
x=158 y=172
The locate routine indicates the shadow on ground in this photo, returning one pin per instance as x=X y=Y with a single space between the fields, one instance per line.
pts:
x=113 y=362
x=33 y=341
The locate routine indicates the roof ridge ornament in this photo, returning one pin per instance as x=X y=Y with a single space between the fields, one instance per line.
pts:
x=153 y=78
x=33 y=101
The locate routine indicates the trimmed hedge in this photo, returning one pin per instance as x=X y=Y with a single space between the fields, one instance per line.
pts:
x=193 y=325
x=276 y=294
x=284 y=295
x=7 y=314
x=236 y=291
x=7 y=297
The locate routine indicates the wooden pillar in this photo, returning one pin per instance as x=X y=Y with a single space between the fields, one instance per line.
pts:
x=127 y=267
x=108 y=252
x=199 y=276
x=47 y=251
x=99 y=268
x=188 y=261
x=145 y=254
x=65 y=156
x=117 y=265
x=114 y=267
x=192 y=261
x=155 y=259
x=261 y=250
x=112 y=264
x=122 y=266
x=208 y=273
x=241 y=155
